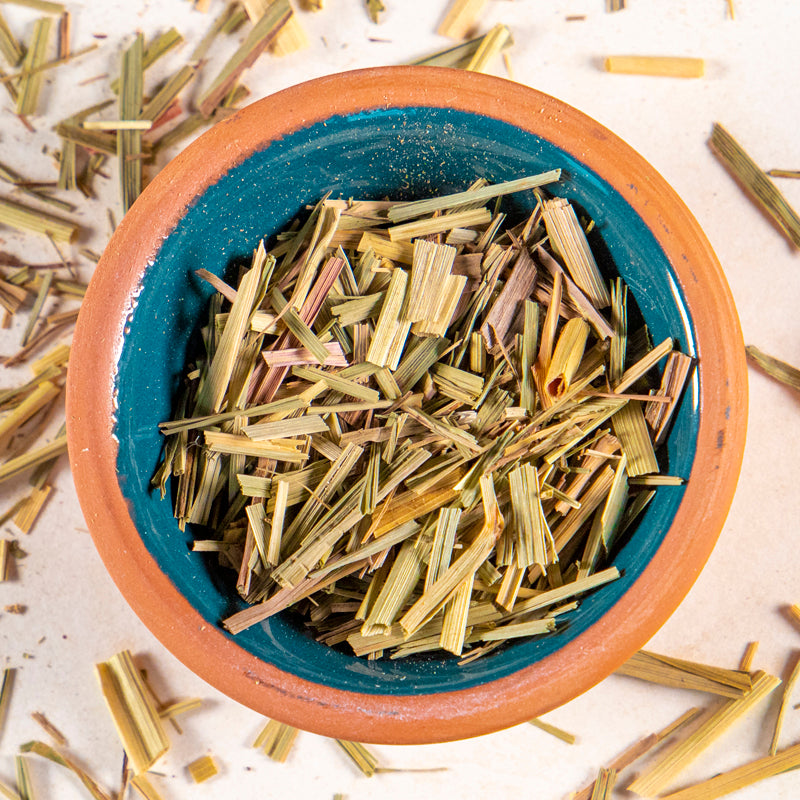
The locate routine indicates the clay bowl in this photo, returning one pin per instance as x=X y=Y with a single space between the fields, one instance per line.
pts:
x=404 y=133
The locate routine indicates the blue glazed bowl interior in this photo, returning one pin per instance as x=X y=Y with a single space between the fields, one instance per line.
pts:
x=402 y=154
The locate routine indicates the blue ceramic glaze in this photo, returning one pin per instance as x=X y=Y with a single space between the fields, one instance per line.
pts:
x=400 y=153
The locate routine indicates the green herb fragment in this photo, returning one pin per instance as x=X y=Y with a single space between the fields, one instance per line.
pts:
x=774 y=367
x=382 y=436
x=260 y=36
x=129 y=142
x=375 y=8
x=755 y=182
x=32 y=80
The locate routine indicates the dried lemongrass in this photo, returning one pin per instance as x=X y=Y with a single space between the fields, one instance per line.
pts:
x=755 y=182
x=784 y=173
x=32 y=458
x=132 y=710
x=673 y=380
x=276 y=739
x=740 y=777
x=456 y=57
x=5 y=564
x=418 y=208
x=654 y=779
x=201 y=769
x=258 y=39
x=6 y=687
x=31 y=507
x=559 y=733
x=461 y=18
x=378 y=430
x=129 y=142
x=23 y=775
x=58 y=757
x=687 y=674
x=24 y=218
x=491 y=45
x=32 y=80
x=604 y=785
x=360 y=756
x=662 y=66
x=774 y=367
x=788 y=687
x=10 y=47
x=642 y=747
x=570 y=242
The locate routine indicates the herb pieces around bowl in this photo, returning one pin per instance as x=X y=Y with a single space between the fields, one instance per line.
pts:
x=419 y=425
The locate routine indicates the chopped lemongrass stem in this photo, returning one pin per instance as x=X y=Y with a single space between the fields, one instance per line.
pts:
x=6 y=686
x=132 y=709
x=276 y=739
x=461 y=18
x=201 y=769
x=774 y=367
x=420 y=208
x=32 y=80
x=756 y=183
x=24 y=218
x=740 y=777
x=360 y=756
x=788 y=687
x=491 y=45
x=559 y=733
x=663 y=66
x=570 y=242
x=687 y=674
x=654 y=779
x=258 y=39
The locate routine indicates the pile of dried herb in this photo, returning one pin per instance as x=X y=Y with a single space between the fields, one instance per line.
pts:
x=418 y=426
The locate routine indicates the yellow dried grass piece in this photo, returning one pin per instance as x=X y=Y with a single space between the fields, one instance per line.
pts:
x=360 y=756
x=203 y=768
x=461 y=18
x=6 y=687
x=133 y=711
x=441 y=224
x=31 y=507
x=469 y=561
x=569 y=240
x=755 y=182
x=32 y=80
x=276 y=739
x=661 y=66
x=559 y=733
x=684 y=674
x=748 y=656
x=258 y=39
x=786 y=697
x=491 y=45
x=656 y=777
x=146 y=789
x=604 y=785
x=23 y=218
x=5 y=563
x=58 y=757
x=24 y=783
x=40 y=397
x=778 y=370
x=740 y=777
x=33 y=458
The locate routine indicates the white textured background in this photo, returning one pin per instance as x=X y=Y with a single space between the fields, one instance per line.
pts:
x=75 y=615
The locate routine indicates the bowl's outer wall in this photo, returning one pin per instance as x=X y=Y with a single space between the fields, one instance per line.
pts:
x=436 y=714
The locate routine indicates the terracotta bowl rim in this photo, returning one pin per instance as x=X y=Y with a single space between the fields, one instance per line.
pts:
x=412 y=719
